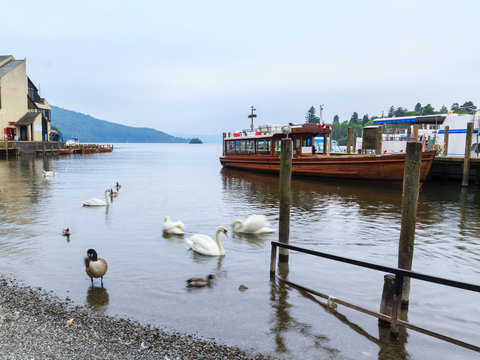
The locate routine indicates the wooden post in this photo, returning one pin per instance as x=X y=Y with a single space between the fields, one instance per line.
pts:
x=466 y=159
x=324 y=144
x=397 y=294
x=330 y=140
x=386 y=305
x=411 y=179
x=445 y=140
x=223 y=144
x=285 y=181
x=354 y=141
x=273 y=261
x=379 y=140
x=349 y=140
x=415 y=132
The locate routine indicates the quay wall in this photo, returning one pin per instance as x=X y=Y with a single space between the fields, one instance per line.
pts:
x=34 y=147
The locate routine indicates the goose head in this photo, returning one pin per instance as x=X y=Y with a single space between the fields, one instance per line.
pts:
x=92 y=255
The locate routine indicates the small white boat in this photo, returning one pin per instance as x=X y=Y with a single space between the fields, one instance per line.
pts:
x=72 y=142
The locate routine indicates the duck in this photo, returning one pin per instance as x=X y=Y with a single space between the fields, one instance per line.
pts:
x=200 y=282
x=97 y=202
x=173 y=227
x=66 y=232
x=118 y=186
x=49 y=173
x=254 y=224
x=113 y=193
x=204 y=244
x=95 y=267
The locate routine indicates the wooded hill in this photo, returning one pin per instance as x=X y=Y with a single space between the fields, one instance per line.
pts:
x=86 y=128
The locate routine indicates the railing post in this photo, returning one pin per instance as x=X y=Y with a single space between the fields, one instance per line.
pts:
x=386 y=305
x=415 y=133
x=273 y=260
x=223 y=144
x=285 y=181
x=411 y=179
x=445 y=140
x=399 y=284
x=466 y=159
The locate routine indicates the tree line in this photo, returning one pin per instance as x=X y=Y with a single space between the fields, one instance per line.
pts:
x=340 y=128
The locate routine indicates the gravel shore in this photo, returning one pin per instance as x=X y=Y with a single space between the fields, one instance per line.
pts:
x=37 y=325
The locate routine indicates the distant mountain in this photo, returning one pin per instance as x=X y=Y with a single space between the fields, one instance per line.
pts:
x=89 y=129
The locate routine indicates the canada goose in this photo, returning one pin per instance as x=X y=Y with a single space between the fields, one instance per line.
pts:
x=254 y=224
x=113 y=193
x=95 y=267
x=66 y=232
x=118 y=186
x=200 y=282
x=97 y=202
x=204 y=244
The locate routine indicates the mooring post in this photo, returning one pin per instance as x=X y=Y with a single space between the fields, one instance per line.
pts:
x=379 y=140
x=411 y=179
x=445 y=141
x=386 y=304
x=354 y=144
x=415 y=132
x=349 y=140
x=466 y=160
x=285 y=181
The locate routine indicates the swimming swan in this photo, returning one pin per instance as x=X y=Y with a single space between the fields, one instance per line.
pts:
x=173 y=227
x=255 y=224
x=95 y=267
x=49 y=173
x=97 y=202
x=204 y=244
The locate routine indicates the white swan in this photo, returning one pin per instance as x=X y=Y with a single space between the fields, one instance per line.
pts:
x=173 y=227
x=204 y=244
x=97 y=202
x=49 y=173
x=255 y=224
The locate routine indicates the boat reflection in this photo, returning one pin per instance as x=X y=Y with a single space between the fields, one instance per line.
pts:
x=97 y=298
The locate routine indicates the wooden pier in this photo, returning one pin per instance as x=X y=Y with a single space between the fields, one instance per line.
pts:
x=451 y=168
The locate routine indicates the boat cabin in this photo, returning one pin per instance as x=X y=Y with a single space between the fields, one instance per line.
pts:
x=266 y=140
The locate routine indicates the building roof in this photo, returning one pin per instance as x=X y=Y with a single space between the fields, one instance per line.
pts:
x=27 y=119
x=9 y=66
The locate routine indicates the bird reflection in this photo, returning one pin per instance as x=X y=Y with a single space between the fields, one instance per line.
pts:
x=97 y=298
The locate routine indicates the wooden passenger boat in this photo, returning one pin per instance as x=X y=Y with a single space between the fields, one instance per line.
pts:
x=259 y=149
x=88 y=150
x=65 y=151
x=105 y=148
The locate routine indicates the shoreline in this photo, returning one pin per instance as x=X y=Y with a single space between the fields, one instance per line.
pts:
x=35 y=324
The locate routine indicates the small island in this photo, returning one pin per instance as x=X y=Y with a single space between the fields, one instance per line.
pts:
x=196 y=141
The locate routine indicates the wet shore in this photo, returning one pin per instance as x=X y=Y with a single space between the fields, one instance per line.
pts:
x=38 y=325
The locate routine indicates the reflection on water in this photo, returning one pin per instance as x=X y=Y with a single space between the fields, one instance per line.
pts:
x=147 y=269
x=97 y=298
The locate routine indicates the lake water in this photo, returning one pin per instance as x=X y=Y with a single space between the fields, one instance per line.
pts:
x=147 y=271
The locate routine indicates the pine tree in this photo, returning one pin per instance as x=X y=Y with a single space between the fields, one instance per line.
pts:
x=336 y=119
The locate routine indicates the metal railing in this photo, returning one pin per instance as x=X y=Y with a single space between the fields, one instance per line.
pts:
x=400 y=274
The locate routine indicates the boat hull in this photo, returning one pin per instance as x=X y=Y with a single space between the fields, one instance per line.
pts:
x=380 y=169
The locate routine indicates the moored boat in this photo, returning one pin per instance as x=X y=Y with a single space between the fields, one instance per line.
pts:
x=65 y=151
x=259 y=149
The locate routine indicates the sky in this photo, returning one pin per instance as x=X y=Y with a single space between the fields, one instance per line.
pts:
x=196 y=67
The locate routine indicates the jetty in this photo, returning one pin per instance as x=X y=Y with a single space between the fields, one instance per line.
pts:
x=19 y=148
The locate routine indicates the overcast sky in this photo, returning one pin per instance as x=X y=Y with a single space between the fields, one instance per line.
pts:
x=196 y=67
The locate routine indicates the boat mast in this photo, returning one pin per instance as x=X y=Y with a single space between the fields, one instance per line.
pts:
x=252 y=116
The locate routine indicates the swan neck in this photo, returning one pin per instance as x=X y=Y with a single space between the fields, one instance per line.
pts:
x=106 y=197
x=238 y=224
x=219 y=243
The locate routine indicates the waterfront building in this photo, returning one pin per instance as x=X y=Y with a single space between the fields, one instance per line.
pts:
x=24 y=115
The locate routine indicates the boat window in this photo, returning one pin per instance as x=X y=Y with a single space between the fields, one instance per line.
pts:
x=263 y=147
x=240 y=147
x=231 y=147
x=278 y=146
x=250 y=144
x=307 y=142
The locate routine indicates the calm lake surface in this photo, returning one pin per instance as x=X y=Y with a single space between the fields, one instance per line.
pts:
x=147 y=271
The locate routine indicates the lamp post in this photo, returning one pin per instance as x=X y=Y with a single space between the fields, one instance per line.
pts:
x=252 y=116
